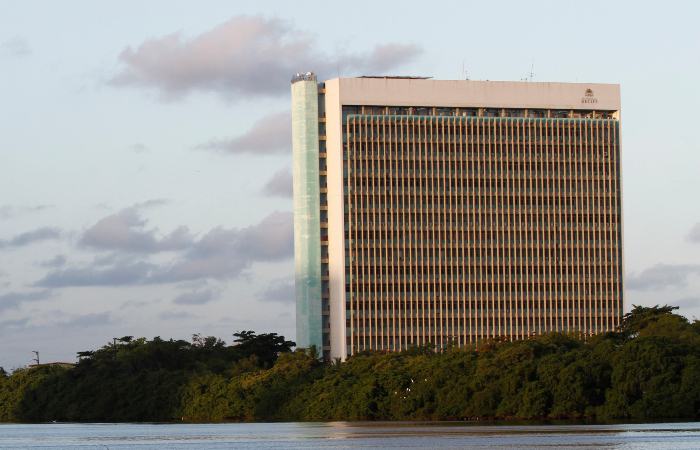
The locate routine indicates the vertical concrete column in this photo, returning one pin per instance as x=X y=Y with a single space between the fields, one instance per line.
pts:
x=307 y=220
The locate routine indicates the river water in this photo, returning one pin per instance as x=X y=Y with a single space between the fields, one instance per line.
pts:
x=377 y=435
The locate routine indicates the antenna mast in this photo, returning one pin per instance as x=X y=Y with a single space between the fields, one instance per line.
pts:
x=465 y=73
x=532 y=68
x=37 y=357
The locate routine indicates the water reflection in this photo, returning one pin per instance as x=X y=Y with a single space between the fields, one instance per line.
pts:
x=380 y=435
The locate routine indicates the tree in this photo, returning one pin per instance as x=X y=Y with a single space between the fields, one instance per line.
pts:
x=207 y=342
x=266 y=346
x=641 y=317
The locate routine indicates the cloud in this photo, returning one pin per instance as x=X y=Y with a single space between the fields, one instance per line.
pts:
x=56 y=261
x=223 y=253
x=126 y=231
x=280 y=185
x=24 y=239
x=694 y=234
x=8 y=211
x=172 y=315
x=18 y=323
x=245 y=57
x=219 y=254
x=134 y=304
x=16 y=46
x=687 y=302
x=121 y=274
x=139 y=148
x=194 y=298
x=280 y=290
x=199 y=294
x=38 y=207
x=388 y=57
x=13 y=300
x=270 y=135
x=270 y=240
x=87 y=320
x=152 y=203
x=661 y=276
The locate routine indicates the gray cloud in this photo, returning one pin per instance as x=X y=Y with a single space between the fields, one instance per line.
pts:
x=173 y=315
x=388 y=57
x=87 y=320
x=121 y=274
x=56 y=261
x=270 y=135
x=126 y=231
x=270 y=240
x=17 y=46
x=103 y=206
x=661 y=276
x=24 y=239
x=13 y=300
x=222 y=253
x=113 y=258
x=139 y=148
x=134 y=304
x=38 y=207
x=694 y=234
x=8 y=211
x=199 y=294
x=195 y=297
x=247 y=56
x=281 y=291
x=687 y=302
x=18 y=323
x=218 y=254
x=280 y=185
x=152 y=203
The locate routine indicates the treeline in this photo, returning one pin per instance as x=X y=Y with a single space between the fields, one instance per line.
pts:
x=648 y=368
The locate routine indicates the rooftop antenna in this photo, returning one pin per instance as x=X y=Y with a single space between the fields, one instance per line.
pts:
x=465 y=75
x=532 y=74
x=37 y=357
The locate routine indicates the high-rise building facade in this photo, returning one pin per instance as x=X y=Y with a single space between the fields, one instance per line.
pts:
x=437 y=211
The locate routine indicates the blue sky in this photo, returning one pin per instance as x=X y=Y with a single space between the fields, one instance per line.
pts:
x=144 y=147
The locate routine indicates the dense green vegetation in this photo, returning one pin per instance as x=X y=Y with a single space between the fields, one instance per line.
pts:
x=649 y=368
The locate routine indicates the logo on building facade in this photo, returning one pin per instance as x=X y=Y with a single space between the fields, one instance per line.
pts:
x=588 y=97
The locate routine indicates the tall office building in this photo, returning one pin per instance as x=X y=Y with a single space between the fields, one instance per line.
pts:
x=437 y=211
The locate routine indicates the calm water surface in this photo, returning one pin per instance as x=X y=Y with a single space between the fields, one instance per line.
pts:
x=382 y=435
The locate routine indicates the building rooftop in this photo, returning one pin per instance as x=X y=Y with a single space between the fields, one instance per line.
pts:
x=396 y=77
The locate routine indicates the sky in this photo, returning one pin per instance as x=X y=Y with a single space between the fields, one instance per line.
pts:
x=145 y=147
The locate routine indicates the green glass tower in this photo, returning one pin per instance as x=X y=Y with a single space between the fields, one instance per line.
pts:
x=307 y=226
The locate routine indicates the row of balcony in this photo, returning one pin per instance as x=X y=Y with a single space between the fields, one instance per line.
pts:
x=510 y=277
x=519 y=312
